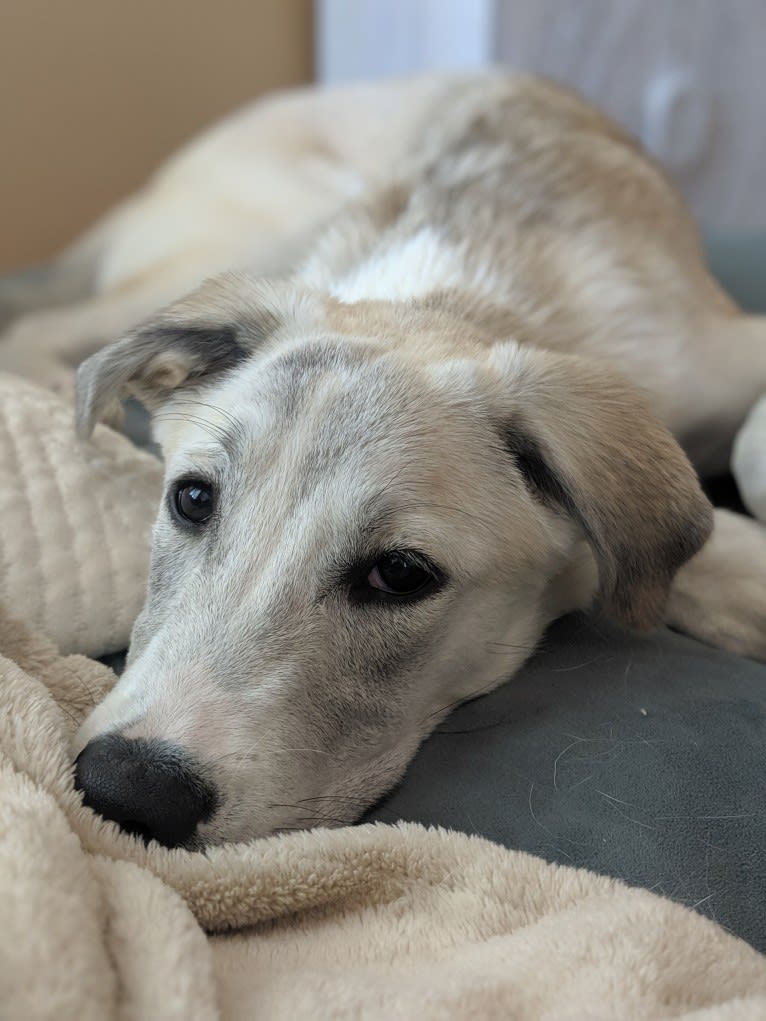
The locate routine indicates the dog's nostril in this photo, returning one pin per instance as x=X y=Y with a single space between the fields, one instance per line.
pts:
x=151 y=788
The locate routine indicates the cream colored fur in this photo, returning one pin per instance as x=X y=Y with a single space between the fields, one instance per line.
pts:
x=748 y=462
x=497 y=347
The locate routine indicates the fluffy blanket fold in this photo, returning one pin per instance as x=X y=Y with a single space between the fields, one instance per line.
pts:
x=368 y=922
x=75 y=522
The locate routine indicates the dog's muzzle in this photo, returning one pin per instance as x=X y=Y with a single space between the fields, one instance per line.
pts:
x=149 y=787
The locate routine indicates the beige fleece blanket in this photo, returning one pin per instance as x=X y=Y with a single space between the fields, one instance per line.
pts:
x=75 y=522
x=368 y=922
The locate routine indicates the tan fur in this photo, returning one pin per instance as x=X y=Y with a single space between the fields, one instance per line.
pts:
x=493 y=354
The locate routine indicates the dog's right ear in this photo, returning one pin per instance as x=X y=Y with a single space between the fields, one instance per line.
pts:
x=197 y=339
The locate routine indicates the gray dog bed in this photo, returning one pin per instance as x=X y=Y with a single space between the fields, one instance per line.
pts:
x=638 y=756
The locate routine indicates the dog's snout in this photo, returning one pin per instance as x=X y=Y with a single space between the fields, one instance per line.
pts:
x=148 y=787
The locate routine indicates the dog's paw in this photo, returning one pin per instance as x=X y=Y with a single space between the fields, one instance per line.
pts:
x=720 y=595
x=748 y=462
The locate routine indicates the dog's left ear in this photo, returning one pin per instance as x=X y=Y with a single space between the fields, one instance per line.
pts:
x=588 y=444
x=203 y=335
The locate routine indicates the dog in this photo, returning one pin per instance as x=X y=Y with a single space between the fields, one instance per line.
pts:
x=464 y=384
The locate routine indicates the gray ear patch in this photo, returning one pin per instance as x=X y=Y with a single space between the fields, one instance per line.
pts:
x=537 y=470
x=204 y=345
x=150 y=363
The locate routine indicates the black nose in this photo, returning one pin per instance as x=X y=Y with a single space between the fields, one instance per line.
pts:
x=151 y=788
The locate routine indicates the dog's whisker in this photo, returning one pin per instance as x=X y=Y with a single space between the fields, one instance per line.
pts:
x=464 y=698
x=209 y=427
x=234 y=423
x=312 y=751
x=180 y=412
x=313 y=818
x=510 y=646
x=334 y=797
x=427 y=505
x=213 y=430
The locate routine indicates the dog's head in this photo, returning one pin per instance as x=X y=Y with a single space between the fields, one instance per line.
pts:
x=369 y=516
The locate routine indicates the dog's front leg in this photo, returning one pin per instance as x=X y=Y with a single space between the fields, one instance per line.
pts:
x=748 y=462
x=719 y=596
x=46 y=346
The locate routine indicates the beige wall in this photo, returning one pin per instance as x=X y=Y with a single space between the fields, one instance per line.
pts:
x=93 y=93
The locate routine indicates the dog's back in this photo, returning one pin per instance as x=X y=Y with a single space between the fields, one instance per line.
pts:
x=513 y=190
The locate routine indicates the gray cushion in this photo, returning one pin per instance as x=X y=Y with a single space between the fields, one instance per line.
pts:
x=638 y=756
x=739 y=263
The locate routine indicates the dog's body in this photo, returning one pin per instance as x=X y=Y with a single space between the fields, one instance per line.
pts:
x=428 y=398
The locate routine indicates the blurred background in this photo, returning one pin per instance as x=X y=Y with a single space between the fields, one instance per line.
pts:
x=95 y=93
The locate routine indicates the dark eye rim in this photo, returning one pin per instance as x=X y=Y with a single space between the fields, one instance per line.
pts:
x=173 y=495
x=361 y=593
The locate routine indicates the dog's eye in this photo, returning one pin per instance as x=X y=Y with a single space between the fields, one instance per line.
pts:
x=194 y=501
x=400 y=574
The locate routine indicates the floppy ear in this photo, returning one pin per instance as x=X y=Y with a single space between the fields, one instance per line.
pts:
x=198 y=338
x=588 y=444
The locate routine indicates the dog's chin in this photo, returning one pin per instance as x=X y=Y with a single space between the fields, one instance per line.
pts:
x=237 y=821
x=211 y=836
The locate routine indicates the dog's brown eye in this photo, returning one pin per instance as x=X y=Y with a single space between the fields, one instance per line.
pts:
x=194 y=501
x=399 y=574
